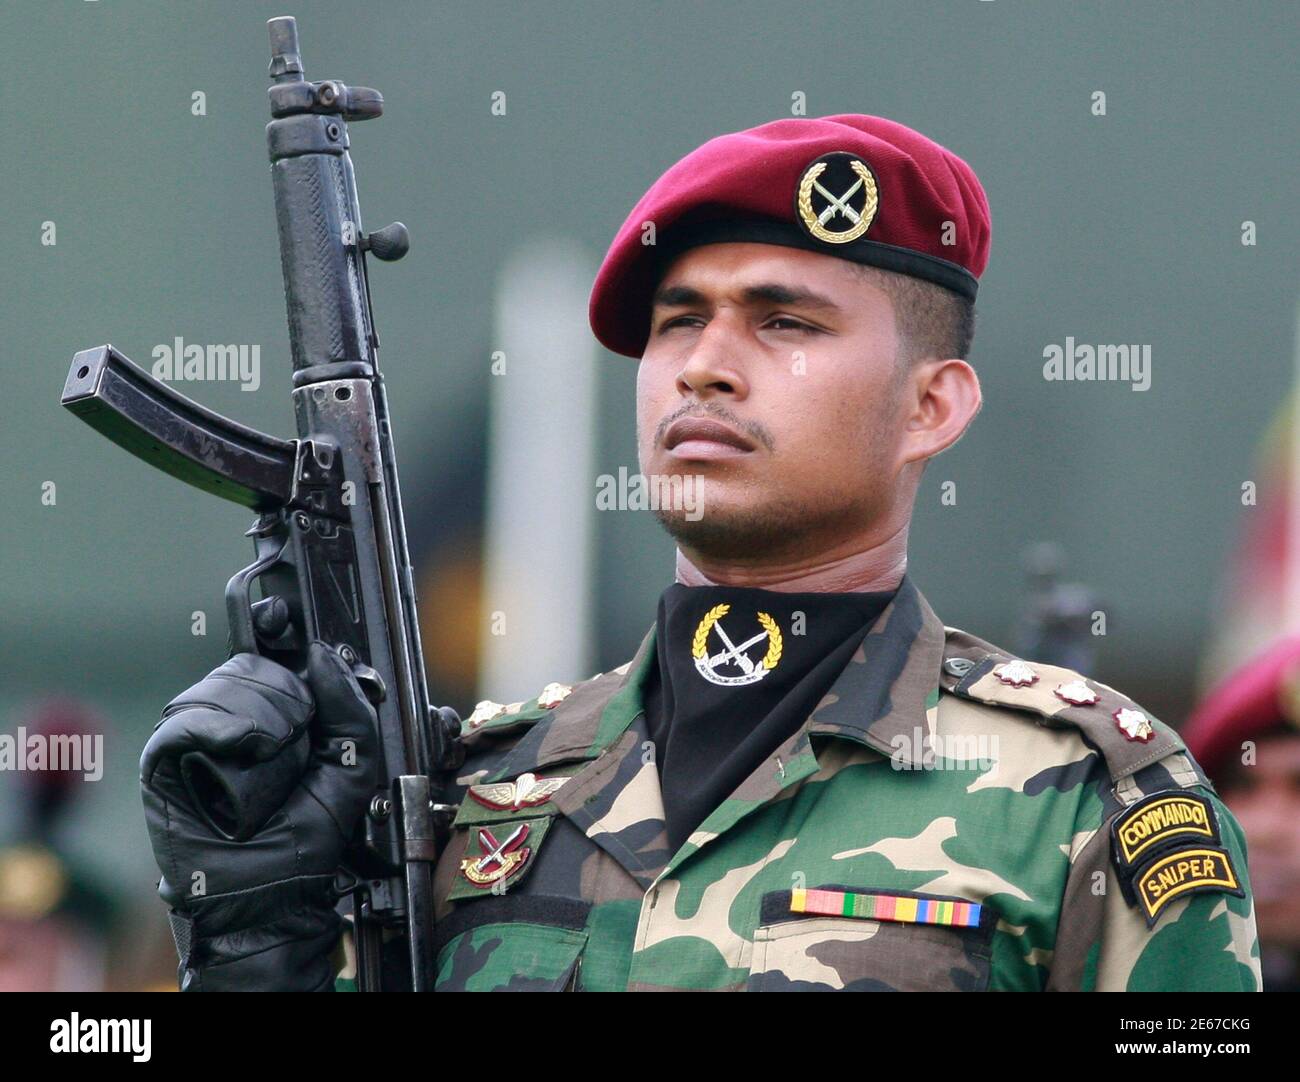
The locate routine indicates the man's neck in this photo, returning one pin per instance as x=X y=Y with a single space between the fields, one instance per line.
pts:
x=878 y=569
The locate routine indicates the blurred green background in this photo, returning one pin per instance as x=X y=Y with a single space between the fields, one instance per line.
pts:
x=1119 y=228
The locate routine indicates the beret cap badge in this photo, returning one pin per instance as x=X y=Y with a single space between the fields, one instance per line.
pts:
x=837 y=198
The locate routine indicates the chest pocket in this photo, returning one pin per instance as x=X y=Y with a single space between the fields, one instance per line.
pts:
x=512 y=944
x=817 y=951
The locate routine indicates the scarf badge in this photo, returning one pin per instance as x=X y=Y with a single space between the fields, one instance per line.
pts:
x=734 y=665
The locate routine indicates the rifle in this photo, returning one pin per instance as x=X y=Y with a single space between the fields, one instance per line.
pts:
x=1055 y=624
x=331 y=559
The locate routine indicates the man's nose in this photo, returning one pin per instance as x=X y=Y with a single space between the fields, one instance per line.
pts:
x=715 y=364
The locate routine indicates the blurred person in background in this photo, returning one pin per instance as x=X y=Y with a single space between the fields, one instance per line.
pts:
x=1246 y=734
x=56 y=919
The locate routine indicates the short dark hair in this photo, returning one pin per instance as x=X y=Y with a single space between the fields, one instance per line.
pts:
x=933 y=322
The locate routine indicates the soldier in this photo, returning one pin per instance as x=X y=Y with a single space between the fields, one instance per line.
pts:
x=803 y=779
x=1246 y=734
x=58 y=923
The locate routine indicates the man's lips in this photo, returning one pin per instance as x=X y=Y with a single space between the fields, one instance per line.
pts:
x=698 y=437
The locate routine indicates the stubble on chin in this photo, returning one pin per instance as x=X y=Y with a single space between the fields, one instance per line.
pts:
x=778 y=528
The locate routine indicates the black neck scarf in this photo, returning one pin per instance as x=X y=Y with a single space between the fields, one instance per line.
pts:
x=739 y=672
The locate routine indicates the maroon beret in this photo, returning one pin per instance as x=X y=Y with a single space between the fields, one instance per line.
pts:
x=859 y=187
x=1261 y=697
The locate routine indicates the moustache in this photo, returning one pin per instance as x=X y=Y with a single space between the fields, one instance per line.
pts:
x=753 y=429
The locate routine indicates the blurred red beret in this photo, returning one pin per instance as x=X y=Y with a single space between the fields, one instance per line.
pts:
x=859 y=187
x=1261 y=697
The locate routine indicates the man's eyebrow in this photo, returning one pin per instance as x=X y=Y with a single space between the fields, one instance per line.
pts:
x=769 y=292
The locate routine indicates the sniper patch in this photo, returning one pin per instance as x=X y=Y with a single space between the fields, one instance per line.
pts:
x=1184 y=872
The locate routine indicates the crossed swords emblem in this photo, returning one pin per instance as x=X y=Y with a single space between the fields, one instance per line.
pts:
x=838 y=204
x=859 y=218
x=499 y=859
x=735 y=653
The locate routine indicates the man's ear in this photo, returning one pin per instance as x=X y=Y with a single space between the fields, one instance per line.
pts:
x=941 y=399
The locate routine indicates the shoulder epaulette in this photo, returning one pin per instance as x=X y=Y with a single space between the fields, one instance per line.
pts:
x=1127 y=737
x=499 y=719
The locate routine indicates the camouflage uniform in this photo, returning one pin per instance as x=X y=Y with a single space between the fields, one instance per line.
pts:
x=922 y=775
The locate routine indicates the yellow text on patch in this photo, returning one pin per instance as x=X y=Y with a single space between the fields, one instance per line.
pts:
x=1180 y=872
x=1173 y=815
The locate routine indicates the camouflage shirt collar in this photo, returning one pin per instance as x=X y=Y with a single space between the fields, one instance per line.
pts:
x=589 y=720
x=883 y=697
x=886 y=695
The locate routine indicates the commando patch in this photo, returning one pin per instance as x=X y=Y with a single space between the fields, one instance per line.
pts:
x=1183 y=872
x=1157 y=822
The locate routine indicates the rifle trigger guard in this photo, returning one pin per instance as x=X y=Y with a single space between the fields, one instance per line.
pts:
x=342 y=891
x=239 y=604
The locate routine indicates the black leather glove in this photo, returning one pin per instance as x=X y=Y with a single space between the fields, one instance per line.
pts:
x=252 y=903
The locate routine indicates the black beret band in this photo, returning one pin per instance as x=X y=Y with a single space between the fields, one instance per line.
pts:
x=770 y=231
